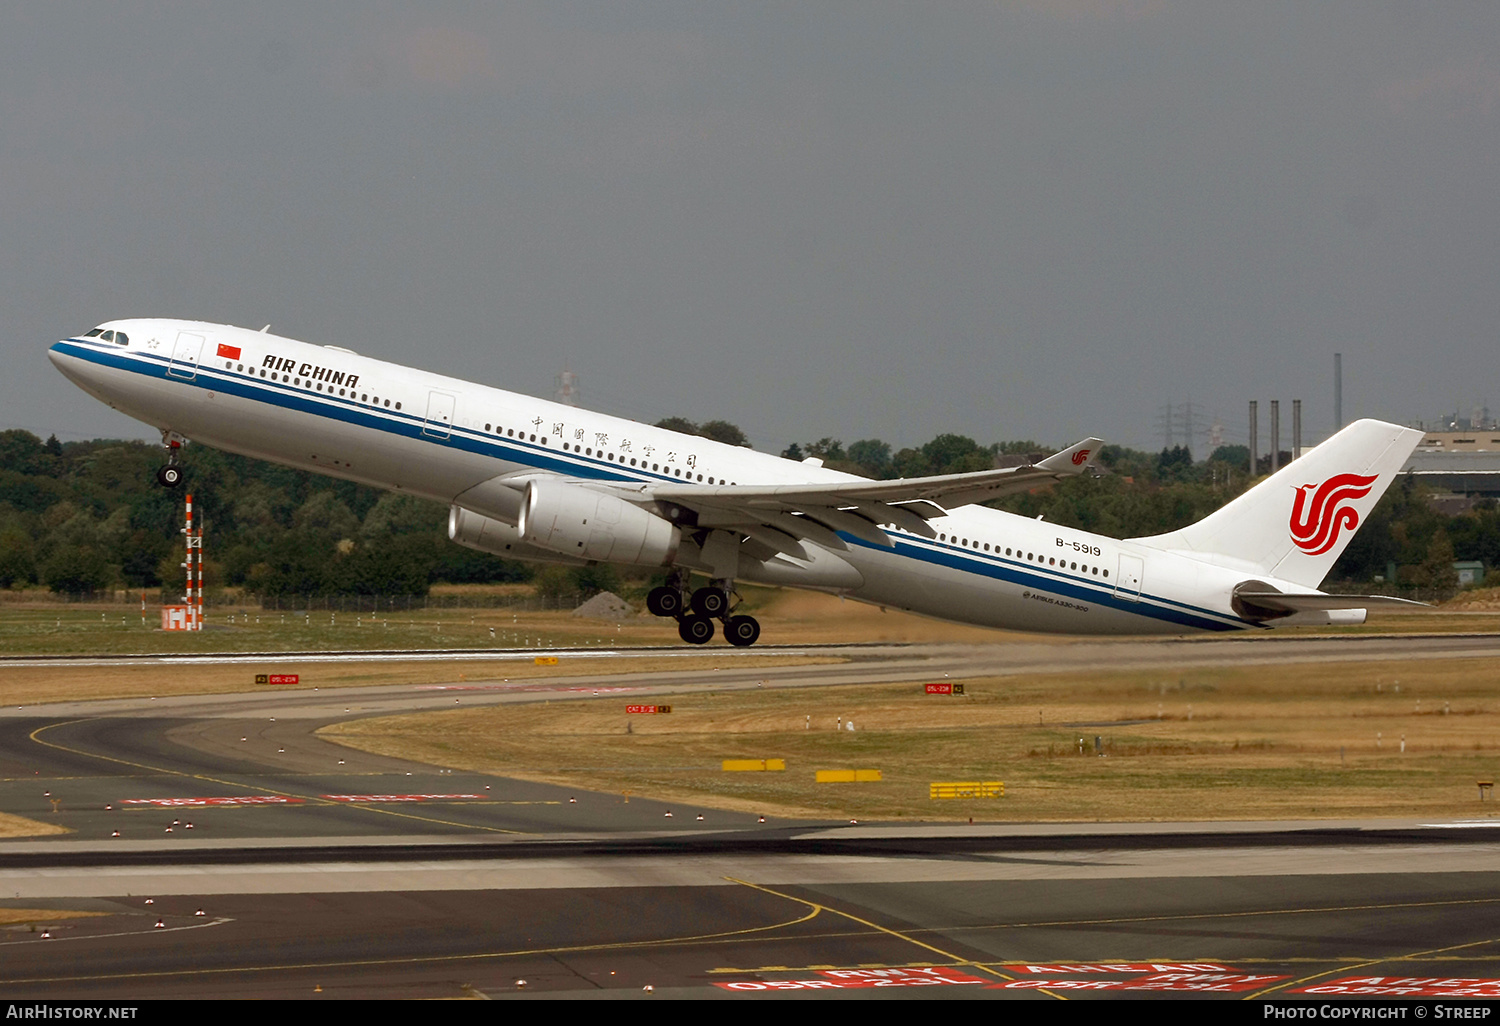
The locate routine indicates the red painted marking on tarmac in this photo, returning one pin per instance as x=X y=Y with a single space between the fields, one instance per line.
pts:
x=400 y=797
x=252 y=799
x=858 y=979
x=1192 y=983
x=1070 y=968
x=1406 y=986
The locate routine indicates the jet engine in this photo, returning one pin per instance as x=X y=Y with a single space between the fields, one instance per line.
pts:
x=590 y=524
x=475 y=531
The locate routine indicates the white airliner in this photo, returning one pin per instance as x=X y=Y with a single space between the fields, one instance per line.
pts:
x=535 y=480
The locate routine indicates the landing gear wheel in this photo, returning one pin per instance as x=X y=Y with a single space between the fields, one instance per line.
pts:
x=696 y=630
x=741 y=631
x=710 y=602
x=664 y=602
x=169 y=476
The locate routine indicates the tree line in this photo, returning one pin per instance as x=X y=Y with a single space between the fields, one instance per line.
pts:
x=86 y=516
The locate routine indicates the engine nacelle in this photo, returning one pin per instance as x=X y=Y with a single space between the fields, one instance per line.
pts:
x=594 y=525
x=476 y=531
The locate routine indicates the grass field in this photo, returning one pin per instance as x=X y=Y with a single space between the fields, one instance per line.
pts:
x=787 y=618
x=1315 y=741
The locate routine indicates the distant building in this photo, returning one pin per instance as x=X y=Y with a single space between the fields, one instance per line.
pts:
x=1465 y=464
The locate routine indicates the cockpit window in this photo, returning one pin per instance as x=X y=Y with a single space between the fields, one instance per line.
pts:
x=108 y=336
x=95 y=333
x=122 y=339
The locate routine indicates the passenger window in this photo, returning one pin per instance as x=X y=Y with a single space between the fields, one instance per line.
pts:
x=486 y=427
x=1106 y=573
x=398 y=406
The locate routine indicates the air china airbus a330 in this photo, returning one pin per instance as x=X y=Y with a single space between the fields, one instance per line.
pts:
x=535 y=480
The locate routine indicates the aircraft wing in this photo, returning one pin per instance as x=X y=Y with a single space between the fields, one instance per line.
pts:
x=776 y=515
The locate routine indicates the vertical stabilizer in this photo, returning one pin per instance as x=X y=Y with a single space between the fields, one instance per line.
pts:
x=1295 y=524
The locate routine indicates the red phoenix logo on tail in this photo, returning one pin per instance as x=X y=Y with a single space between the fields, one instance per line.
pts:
x=1316 y=525
x=1080 y=456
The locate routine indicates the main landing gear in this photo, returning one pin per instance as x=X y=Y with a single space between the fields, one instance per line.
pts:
x=170 y=474
x=696 y=612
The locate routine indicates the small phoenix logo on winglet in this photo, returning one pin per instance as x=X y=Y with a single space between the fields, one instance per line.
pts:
x=1080 y=456
x=1316 y=526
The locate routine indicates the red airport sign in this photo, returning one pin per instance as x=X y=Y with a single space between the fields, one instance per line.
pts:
x=945 y=689
x=276 y=678
x=647 y=710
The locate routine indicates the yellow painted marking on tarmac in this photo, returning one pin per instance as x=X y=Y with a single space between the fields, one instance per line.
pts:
x=313 y=799
x=954 y=960
x=726 y=936
x=1368 y=962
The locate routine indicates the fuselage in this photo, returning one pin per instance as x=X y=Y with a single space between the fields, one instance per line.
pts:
x=336 y=412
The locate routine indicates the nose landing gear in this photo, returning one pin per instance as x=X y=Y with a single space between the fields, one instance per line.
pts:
x=170 y=474
x=696 y=612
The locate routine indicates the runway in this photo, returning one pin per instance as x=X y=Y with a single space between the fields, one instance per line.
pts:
x=323 y=872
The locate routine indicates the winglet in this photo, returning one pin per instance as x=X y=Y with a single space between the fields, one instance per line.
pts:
x=1074 y=458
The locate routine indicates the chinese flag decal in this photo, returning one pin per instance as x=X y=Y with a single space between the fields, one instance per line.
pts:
x=229 y=352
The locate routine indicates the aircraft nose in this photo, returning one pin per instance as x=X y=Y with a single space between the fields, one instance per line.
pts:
x=72 y=368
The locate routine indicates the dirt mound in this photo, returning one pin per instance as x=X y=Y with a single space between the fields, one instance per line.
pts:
x=605 y=606
x=1475 y=600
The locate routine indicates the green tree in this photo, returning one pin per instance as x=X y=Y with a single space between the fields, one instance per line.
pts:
x=723 y=431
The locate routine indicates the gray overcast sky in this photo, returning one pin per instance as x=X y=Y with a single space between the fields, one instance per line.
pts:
x=1035 y=219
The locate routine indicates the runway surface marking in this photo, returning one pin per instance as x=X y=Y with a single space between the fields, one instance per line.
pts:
x=858 y=979
x=956 y=960
x=1406 y=986
x=1373 y=961
x=1161 y=983
x=725 y=936
x=376 y=808
x=175 y=803
x=219 y=921
x=1180 y=917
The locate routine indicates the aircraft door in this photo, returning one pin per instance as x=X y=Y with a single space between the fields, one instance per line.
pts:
x=1128 y=581
x=439 y=422
x=185 y=353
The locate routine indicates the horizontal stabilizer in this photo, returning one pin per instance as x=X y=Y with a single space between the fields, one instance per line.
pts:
x=1276 y=603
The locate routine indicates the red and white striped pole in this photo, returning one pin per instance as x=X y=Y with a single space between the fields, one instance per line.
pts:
x=194 y=547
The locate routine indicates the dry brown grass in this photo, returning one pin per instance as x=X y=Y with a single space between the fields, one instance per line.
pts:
x=1304 y=741
x=41 y=916
x=20 y=826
